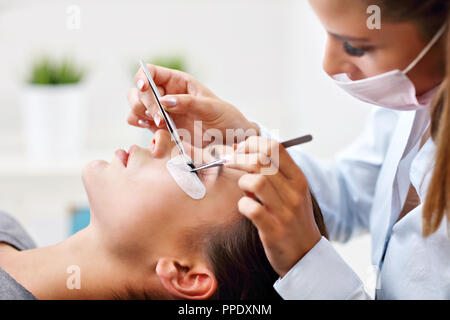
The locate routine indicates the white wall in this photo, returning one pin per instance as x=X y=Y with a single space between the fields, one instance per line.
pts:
x=264 y=56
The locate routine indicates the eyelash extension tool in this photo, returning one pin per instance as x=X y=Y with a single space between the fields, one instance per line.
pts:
x=168 y=120
x=285 y=144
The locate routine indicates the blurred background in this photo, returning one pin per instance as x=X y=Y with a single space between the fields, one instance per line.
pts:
x=264 y=56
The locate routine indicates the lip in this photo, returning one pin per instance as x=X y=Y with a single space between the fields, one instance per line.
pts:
x=123 y=156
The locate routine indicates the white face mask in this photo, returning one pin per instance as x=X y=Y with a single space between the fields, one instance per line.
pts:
x=392 y=90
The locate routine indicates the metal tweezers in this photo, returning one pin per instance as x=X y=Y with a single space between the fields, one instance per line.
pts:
x=285 y=144
x=168 y=120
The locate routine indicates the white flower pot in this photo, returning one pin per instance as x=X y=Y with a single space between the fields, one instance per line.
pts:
x=53 y=122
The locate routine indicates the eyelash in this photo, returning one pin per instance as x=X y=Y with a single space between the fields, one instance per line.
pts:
x=201 y=173
x=355 y=52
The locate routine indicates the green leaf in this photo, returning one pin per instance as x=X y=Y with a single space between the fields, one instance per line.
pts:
x=45 y=71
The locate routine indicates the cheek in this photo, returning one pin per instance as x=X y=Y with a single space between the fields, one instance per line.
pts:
x=223 y=199
x=370 y=65
x=135 y=207
x=388 y=57
x=376 y=63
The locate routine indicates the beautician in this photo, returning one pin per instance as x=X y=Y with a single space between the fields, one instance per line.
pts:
x=378 y=184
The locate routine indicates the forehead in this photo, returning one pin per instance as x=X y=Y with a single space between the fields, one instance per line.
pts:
x=340 y=10
x=344 y=17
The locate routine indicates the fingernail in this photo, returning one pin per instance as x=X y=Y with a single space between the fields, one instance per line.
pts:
x=169 y=102
x=157 y=119
x=148 y=114
x=143 y=123
x=140 y=84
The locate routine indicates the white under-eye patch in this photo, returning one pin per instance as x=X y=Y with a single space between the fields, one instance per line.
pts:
x=188 y=181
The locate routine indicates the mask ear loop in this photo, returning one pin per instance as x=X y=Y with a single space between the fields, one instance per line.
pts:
x=426 y=49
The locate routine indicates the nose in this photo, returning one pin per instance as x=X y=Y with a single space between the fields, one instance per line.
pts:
x=335 y=60
x=161 y=144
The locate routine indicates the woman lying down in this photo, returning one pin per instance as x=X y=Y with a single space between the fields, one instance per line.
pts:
x=147 y=238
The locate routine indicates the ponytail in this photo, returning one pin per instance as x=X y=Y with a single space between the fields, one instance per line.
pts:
x=438 y=196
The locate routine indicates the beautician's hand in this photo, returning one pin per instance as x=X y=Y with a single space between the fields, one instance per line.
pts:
x=279 y=203
x=186 y=99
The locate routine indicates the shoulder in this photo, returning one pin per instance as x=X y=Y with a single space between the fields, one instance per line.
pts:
x=10 y=289
x=12 y=232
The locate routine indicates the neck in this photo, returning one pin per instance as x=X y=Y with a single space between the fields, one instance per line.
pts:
x=77 y=268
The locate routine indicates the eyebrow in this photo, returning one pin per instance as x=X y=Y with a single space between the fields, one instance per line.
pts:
x=348 y=38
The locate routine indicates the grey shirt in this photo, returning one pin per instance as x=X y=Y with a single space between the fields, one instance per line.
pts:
x=12 y=233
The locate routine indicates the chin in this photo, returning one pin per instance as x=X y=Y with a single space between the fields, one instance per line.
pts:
x=91 y=172
x=94 y=167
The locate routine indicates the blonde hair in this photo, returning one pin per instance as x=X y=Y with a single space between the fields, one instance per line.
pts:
x=437 y=202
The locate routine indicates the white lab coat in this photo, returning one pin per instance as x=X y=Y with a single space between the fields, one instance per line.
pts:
x=364 y=191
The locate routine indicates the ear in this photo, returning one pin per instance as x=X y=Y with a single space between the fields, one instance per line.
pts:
x=196 y=282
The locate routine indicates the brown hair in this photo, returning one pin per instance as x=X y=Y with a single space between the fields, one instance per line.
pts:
x=239 y=262
x=438 y=196
x=429 y=15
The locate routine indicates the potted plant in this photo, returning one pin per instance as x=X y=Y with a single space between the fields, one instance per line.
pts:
x=176 y=62
x=53 y=110
x=171 y=61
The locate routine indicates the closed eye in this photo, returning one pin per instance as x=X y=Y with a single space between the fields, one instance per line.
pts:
x=214 y=171
x=352 y=50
